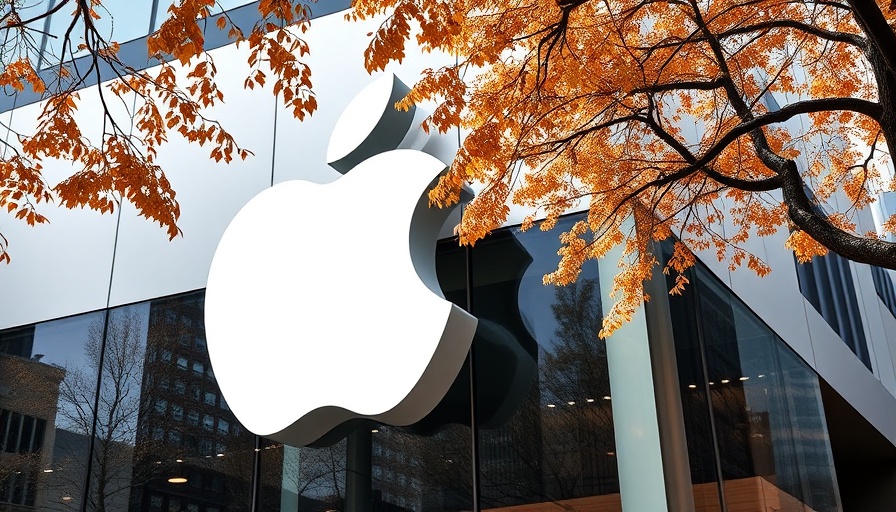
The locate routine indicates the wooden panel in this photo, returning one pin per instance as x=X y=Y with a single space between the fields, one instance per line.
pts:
x=754 y=494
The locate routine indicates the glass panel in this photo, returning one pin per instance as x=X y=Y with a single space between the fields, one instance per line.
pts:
x=694 y=393
x=51 y=376
x=166 y=451
x=543 y=385
x=764 y=402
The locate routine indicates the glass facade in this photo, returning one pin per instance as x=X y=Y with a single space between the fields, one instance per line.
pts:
x=119 y=410
x=754 y=419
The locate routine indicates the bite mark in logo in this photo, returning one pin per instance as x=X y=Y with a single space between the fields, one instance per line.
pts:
x=322 y=303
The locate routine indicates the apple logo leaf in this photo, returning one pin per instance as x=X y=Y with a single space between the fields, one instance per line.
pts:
x=322 y=303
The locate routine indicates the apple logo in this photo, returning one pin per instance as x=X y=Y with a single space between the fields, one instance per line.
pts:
x=322 y=304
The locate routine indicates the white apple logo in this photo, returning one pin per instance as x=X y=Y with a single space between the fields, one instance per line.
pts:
x=322 y=303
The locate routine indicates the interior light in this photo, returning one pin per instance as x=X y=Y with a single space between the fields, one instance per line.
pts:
x=571 y=403
x=606 y=397
x=711 y=383
x=589 y=400
x=375 y=431
x=611 y=454
x=551 y=405
x=66 y=498
x=220 y=455
x=258 y=449
x=692 y=386
x=48 y=471
x=177 y=480
x=744 y=378
x=761 y=375
x=725 y=381
x=179 y=460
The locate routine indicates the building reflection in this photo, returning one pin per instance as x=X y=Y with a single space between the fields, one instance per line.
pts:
x=29 y=390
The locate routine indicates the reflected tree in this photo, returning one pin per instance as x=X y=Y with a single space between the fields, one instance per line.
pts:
x=577 y=422
x=116 y=405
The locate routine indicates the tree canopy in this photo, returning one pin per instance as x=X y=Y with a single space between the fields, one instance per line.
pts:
x=710 y=121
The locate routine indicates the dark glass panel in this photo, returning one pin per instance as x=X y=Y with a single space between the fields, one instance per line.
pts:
x=17 y=342
x=542 y=378
x=695 y=389
x=764 y=403
x=827 y=284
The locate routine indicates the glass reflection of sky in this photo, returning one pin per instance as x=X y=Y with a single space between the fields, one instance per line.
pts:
x=124 y=21
x=62 y=341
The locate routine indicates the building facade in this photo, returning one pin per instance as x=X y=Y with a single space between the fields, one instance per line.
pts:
x=741 y=394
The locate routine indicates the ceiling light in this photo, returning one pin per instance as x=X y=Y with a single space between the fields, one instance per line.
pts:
x=177 y=480
x=692 y=386
x=725 y=381
x=744 y=378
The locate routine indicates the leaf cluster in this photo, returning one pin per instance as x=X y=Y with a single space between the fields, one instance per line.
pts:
x=139 y=109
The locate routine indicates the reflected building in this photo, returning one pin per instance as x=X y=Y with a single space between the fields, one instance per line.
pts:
x=29 y=390
x=185 y=429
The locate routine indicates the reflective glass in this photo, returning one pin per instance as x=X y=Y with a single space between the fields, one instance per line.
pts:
x=769 y=435
x=120 y=21
x=176 y=461
x=543 y=393
x=48 y=376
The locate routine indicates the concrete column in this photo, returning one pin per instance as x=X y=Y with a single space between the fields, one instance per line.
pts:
x=639 y=457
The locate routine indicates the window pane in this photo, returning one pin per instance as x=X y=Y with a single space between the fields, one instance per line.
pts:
x=543 y=385
x=46 y=418
x=765 y=402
